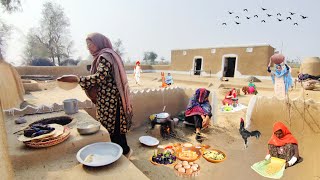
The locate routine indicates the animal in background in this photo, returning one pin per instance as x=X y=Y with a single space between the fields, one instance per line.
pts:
x=245 y=90
x=245 y=134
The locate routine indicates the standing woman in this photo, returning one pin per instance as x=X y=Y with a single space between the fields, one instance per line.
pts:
x=281 y=77
x=108 y=89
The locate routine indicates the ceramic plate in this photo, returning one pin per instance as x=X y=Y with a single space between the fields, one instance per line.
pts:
x=99 y=154
x=149 y=141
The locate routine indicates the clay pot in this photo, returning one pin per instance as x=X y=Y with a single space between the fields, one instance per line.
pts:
x=277 y=58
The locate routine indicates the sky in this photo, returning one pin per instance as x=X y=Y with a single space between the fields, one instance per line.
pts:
x=164 y=25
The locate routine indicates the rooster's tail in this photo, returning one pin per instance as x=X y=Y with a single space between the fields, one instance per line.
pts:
x=256 y=134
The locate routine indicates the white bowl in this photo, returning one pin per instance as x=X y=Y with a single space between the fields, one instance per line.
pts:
x=149 y=141
x=101 y=153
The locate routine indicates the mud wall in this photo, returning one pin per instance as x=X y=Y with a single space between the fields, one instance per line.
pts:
x=300 y=116
x=76 y=70
x=302 y=119
x=11 y=91
x=152 y=101
x=5 y=165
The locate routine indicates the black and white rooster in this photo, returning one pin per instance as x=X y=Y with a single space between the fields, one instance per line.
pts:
x=246 y=134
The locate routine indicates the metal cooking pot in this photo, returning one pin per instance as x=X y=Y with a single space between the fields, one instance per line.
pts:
x=162 y=117
x=70 y=106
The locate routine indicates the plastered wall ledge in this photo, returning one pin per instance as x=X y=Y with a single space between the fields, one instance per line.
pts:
x=296 y=99
x=44 y=108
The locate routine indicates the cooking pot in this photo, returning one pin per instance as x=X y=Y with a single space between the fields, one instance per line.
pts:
x=162 y=117
x=70 y=106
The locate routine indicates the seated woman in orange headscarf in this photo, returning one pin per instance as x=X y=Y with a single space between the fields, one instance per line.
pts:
x=283 y=145
x=229 y=96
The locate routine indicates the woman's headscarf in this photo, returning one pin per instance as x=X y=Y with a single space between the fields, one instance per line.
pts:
x=287 y=136
x=286 y=74
x=199 y=104
x=104 y=49
x=231 y=93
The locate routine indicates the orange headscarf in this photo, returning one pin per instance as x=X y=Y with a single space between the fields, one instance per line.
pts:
x=287 y=136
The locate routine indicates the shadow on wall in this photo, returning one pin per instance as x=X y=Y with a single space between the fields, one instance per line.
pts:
x=299 y=116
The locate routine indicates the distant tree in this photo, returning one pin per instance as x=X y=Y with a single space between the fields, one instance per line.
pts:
x=34 y=49
x=53 y=32
x=4 y=34
x=118 y=47
x=11 y=5
x=41 y=62
x=69 y=62
x=150 y=56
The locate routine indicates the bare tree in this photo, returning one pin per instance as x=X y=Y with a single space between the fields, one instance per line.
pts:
x=118 y=47
x=53 y=32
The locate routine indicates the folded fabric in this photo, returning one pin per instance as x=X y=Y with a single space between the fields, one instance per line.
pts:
x=272 y=168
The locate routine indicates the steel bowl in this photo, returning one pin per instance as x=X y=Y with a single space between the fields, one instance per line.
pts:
x=88 y=128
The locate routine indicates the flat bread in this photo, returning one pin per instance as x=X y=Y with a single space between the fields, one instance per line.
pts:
x=67 y=85
x=55 y=133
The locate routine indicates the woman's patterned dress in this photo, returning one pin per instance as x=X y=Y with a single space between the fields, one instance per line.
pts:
x=108 y=96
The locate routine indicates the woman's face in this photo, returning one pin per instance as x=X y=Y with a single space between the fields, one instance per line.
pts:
x=91 y=47
x=279 y=68
x=279 y=134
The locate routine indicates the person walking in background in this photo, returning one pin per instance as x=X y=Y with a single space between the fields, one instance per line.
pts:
x=108 y=89
x=137 y=72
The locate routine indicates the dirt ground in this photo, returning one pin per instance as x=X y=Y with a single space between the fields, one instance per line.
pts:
x=223 y=135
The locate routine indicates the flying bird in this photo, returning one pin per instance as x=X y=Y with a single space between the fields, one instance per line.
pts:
x=224 y=24
x=279 y=14
x=292 y=13
x=289 y=18
x=248 y=17
x=245 y=134
x=263 y=9
x=237 y=22
x=237 y=17
x=245 y=10
x=263 y=21
x=279 y=19
x=230 y=12
x=269 y=15
x=303 y=17
x=255 y=16
x=295 y=24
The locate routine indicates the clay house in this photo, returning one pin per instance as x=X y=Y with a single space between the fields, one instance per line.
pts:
x=231 y=61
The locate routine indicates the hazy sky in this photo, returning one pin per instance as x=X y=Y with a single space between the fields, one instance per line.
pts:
x=163 y=25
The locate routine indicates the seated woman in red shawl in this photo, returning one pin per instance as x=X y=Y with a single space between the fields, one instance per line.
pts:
x=199 y=111
x=229 y=96
x=283 y=145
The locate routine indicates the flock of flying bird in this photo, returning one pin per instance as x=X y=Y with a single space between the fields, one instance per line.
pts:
x=280 y=17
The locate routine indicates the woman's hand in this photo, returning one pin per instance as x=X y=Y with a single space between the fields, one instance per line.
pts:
x=68 y=78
